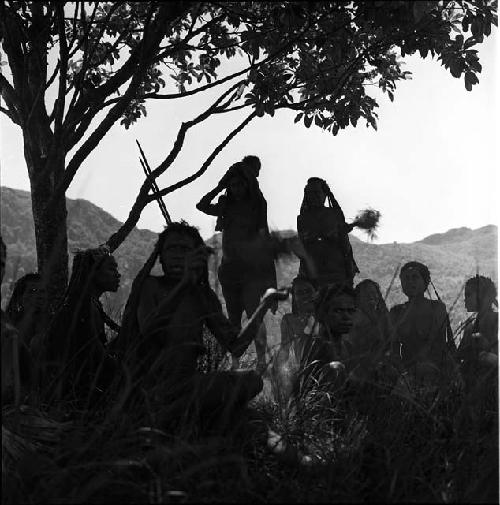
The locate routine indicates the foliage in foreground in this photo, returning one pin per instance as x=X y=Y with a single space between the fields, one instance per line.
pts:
x=368 y=445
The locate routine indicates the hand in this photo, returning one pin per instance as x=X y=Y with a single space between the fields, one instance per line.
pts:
x=194 y=263
x=273 y=295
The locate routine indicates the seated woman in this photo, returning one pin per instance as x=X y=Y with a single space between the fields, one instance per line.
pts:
x=478 y=349
x=324 y=234
x=368 y=340
x=76 y=364
x=247 y=266
x=26 y=306
x=161 y=336
x=420 y=329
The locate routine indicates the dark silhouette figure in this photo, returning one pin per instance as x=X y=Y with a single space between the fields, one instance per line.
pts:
x=420 y=330
x=368 y=339
x=324 y=234
x=161 y=337
x=247 y=267
x=478 y=348
x=26 y=306
x=16 y=361
x=76 y=364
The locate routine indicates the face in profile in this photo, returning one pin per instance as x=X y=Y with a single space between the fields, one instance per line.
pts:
x=412 y=283
x=303 y=295
x=471 y=299
x=237 y=188
x=253 y=166
x=107 y=277
x=340 y=313
x=173 y=253
x=315 y=194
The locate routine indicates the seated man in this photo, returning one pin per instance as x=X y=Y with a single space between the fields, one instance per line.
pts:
x=162 y=332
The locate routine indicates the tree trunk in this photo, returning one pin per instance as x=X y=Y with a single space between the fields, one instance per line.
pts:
x=49 y=216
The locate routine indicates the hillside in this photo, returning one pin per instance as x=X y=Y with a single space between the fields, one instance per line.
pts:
x=451 y=256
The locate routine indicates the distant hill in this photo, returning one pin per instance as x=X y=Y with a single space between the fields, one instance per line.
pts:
x=451 y=256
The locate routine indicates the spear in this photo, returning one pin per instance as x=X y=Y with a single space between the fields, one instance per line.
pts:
x=154 y=185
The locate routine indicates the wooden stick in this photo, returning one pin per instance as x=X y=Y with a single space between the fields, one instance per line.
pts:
x=154 y=185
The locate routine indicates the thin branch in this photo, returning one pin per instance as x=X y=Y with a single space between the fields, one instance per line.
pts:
x=11 y=115
x=63 y=72
x=207 y=163
x=144 y=198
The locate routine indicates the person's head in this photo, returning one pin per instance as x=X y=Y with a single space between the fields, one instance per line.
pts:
x=369 y=297
x=28 y=295
x=3 y=257
x=252 y=163
x=415 y=277
x=95 y=270
x=315 y=192
x=303 y=293
x=174 y=242
x=480 y=294
x=335 y=308
x=237 y=187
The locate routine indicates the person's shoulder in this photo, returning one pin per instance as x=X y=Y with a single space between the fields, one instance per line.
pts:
x=151 y=284
x=397 y=309
x=438 y=306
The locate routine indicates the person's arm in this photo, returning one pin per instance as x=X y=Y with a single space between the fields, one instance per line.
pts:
x=152 y=314
x=206 y=206
x=226 y=333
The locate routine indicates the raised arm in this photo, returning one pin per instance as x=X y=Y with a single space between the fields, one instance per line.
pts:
x=205 y=204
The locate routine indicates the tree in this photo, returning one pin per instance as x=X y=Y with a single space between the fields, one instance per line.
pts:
x=315 y=58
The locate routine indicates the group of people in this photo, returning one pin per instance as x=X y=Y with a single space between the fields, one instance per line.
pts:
x=337 y=333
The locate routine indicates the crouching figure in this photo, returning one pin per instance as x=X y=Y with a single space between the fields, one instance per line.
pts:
x=162 y=336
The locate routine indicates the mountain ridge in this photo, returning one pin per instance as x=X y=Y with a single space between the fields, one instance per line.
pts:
x=451 y=256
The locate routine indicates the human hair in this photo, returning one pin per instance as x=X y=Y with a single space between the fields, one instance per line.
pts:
x=296 y=282
x=381 y=306
x=15 y=308
x=332 y=202
x=326 y=294
x=251 y=159
x=70 y=327
x=422 y=269
x=484 y=287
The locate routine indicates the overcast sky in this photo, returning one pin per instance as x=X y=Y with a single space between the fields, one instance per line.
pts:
x=429 y=167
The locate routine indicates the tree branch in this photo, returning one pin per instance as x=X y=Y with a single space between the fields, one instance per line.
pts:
x=143 y=198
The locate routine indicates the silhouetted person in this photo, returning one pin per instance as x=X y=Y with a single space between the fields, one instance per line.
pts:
x=420 y=329
x=16 y=361
x=324 y=234
x=26 y=308
x=161 y=336
x=478 y=349
x=76 y=365
x=368 y=339
x=247 y=266
x=324 y=353
x=293 y=338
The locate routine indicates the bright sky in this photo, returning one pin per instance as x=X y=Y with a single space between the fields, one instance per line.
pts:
x=429 y=167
